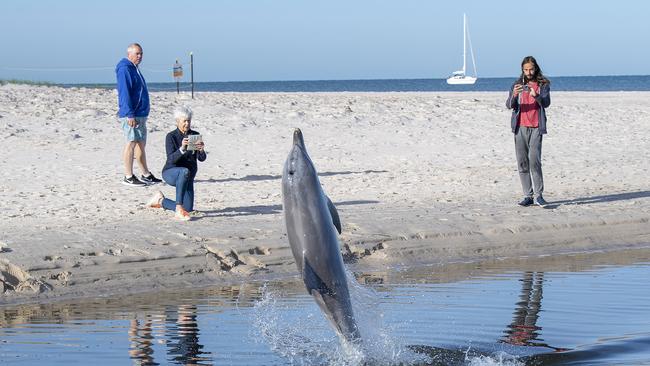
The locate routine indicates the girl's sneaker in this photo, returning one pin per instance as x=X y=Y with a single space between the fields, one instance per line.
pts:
x=149 y=179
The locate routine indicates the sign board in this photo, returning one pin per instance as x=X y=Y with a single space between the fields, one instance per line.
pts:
x=178 y=71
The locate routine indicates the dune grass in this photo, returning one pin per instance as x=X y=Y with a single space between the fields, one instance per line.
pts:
x=25 y=82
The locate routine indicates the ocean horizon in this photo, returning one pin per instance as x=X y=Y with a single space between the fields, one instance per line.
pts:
x=560 y=83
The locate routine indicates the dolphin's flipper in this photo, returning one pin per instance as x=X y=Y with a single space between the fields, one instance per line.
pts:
x=319 y=290
x=312 y=281
x=323 y=295
x=335 y=214
x=320 y=301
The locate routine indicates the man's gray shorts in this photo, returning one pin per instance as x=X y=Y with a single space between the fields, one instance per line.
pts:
x=137 y=133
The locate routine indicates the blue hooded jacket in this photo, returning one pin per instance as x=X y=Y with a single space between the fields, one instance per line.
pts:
x=132 y=93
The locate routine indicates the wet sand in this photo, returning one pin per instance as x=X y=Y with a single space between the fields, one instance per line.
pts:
x=418 y=178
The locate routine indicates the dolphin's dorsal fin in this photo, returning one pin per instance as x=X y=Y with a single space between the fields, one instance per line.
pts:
x=335 y=214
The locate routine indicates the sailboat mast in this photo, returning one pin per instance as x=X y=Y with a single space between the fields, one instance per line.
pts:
x=460 y=77
x=464 y=43
x=471 y=51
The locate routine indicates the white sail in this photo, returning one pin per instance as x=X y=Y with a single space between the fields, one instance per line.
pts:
x=460 y=77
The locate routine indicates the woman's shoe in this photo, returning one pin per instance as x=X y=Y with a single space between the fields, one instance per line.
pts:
x=156 y=200
x=181 y=214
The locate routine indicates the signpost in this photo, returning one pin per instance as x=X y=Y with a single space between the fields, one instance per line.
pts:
x=192 y=72
x=178 y=75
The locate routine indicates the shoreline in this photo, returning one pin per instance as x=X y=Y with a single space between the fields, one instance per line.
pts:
x=419 y=178
x=375 y=246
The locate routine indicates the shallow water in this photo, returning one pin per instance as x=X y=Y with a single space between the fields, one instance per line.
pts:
x=573 y=310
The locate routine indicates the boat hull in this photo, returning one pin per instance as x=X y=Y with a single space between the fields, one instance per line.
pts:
x=464 y=80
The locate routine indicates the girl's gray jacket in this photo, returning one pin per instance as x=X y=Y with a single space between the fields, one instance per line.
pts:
x=543 y=99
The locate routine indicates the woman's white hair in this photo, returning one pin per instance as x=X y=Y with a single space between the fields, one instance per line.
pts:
x=183 y=111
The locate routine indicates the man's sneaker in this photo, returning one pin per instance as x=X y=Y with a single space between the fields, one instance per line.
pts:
x=133 y=182
x=150 y=179
x=156 y=200
x=539 y=201
x=181 y=214
x=527 y=201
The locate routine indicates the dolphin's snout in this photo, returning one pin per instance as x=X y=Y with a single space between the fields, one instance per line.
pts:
x=297 y=151
x=297 y=138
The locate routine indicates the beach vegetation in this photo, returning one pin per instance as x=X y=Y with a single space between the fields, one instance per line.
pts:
x=25 y=82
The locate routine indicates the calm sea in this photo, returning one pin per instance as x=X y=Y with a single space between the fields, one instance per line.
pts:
x=561 y=83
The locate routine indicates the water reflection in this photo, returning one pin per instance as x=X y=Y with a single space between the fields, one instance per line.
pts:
x=181 y=336
x=183 y=346
x=524 y=331
x=140 y=342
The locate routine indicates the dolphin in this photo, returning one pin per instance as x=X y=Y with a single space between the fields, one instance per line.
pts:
x=312 y=224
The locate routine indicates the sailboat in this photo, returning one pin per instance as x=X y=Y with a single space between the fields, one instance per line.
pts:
x=460 y=77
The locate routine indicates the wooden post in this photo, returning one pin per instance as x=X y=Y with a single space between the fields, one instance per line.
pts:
x=192 y=72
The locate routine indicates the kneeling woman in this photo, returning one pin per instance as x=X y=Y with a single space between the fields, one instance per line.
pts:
x=181 y=166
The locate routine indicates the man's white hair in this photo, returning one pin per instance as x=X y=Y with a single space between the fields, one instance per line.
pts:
x=182 y=111
x=133 y=47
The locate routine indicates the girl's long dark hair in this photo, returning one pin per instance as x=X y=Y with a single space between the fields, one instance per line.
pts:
x=537 y=75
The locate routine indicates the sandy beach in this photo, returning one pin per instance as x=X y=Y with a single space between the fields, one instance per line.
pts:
x=418 y=178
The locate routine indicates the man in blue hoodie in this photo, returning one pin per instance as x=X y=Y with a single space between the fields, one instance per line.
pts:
x=133 y=100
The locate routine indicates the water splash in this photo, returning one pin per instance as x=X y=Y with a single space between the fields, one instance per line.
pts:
x=497 y=359
x=300 y=333
x=294 y=331
x=380 y=344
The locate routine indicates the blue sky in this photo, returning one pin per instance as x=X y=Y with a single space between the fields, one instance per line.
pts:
x=81 y=41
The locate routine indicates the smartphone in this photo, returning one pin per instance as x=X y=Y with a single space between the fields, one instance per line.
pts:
x=524 y=86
